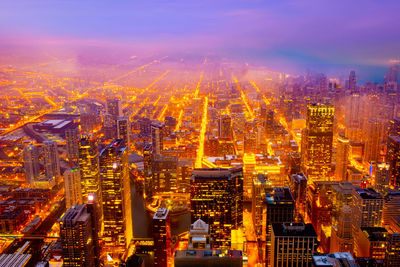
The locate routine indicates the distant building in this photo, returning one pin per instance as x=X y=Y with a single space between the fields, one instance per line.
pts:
x=164 y=171
x=225 y=126
x=157 y=137
x=72 y=140
x=317 y=141
x=31 y=163
x=124 y=130
x=393 y=158
x=51 y=160
x=73 y=191
x=217 y=198
x=293 y=244
x=162 y=237
x=342 y=155
x=113 y=107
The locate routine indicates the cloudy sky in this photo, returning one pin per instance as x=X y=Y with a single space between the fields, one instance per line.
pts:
x=323 y=34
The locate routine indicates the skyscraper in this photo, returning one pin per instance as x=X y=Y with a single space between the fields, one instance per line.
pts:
x=116 y=193
x=217 y=198
x=367 y=206
x=164 y=171
x=113 y=107
x=225 y=126
x=342 y=155
x=124 y=130
x=317 y=142
x=89 y=167
x=72 y=139
x=393 y=158
x=391 y=80
x=77 y=237
x=157 y=137
x=31 y=163
x=162 y=237
x=352 y=81
x=374 y=139
x=51 y=160
x=293 y=244
x=73 y=191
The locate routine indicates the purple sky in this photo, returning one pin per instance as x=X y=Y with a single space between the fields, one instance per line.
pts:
x=322 y=34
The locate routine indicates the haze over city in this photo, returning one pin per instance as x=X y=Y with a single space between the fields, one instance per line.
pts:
x=199 y=133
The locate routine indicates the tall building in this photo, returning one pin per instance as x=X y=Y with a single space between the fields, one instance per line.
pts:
x=162 y=237
x=77 y=237
x=124 y=130
x=51 y=160
x=164 y=170
x=393 y=158
x=258 y=207
x=381 y=171
x=31 y=163
x=113 y=107
x=352 y=81
x=317 y=142
x=352 y=113
x=373 y=140
x=73 y=191
x=370 y=242
x=225 y=126
x=391 y=207
x=367 y=206
x=216 y=197
x=89 y=167
x=342 y=155
x=157 y=137
x=391 y=80
x=280 y=206
x=72 y=140
x=293 y=244
x=116 y=195
x=342 y=233
x=298 y=188
x=249 y=165
x=93 y=208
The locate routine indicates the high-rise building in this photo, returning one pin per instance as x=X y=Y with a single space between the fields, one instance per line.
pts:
x=352 y=113
x=217 y=198
x=298 y=188
x=381 y=171
x=391 y=207
x=113 y=107
x=31 y=163
x=249 y=165
x=77 y=237
x=394 y=127
x=93 y=208
x=280 y=206
x=373 y=140
x=391 y=80
x=73 y=191
x=72 y=140
x=370 y=242
x=124 y=130
x=367 y=206
x=352 y=81
x=258 y=207
x=225 y=126
x=317 y=142
x=162 y=237
x=342 y=155
x=116 y=195
x=342 y=233
x=157 y=137
x=393 y=158
x=89 y=167
x=293 y=244
x=393 y=243
x=51 y=160
x=164 y=170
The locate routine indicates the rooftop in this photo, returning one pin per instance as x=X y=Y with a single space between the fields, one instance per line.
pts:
x=293 y=229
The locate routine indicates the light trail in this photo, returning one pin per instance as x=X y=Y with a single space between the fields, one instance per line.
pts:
x=51 y=102
x=244 y=99
x=197 y=90
x=156 y=102
x=200 y=150
x=178 y=125
x=136 y=70
x=156 y=80
x=161 y=116
x=255 y=86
